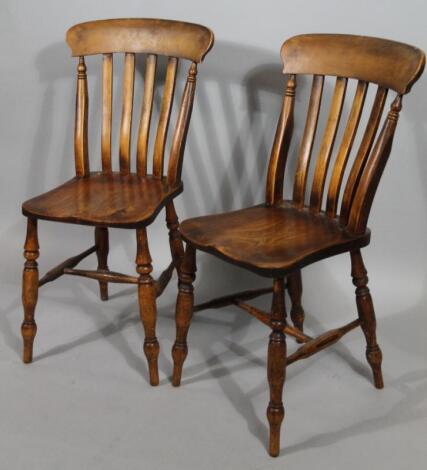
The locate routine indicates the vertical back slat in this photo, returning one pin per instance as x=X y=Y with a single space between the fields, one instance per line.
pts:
x=181 y=129
x=165 y=112
x=308 y=140
x=126 y=125
x=327 y=144
x=363 y=153
x=107 y=111
x=81 y=156
x=279 y=151
x=146 y=110
x=345 y=148
x=372 y=171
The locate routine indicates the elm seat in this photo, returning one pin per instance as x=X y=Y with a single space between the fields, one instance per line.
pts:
x=114 y=200
x=270 y=239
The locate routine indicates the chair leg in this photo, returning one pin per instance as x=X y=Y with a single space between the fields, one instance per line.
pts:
x=276 y=367
x=30 y=286
x=175 y=241
x=147 y=304
x=102 y=249
x=295 y=293
x=365 y=308
x=184 y=312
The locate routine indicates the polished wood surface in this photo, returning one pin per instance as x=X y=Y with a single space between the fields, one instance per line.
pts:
x=141 y=35
x=270 y=240
x=132 y=197
x=360 y=57
x=111 y=199
x=327 y=217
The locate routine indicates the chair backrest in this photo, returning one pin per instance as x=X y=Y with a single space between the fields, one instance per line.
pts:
x=380 y=62
x=153 y=37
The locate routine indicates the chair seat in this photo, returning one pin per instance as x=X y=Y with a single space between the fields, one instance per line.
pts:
x=114 y=200
x=270 y=240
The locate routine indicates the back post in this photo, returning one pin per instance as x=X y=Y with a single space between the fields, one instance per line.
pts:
x=81 y=121
x=282 y=140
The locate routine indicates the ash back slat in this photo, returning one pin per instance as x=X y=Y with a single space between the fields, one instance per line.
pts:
x=177 y=41
x=352 y=180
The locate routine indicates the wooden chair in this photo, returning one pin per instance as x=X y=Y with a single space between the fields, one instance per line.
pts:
x=124 y=199
x=278 y=238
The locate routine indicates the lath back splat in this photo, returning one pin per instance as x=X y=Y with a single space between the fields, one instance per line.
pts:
x=370 y=61
x=127 y=199
x=325 y=216
x=137 y=36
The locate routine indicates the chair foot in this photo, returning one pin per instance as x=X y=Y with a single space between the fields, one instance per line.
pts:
x=147 y=304
x=30 y=281
x=184 y=312
x=276 y=367
x=294 y=282
x=365 y=308
x=102 y=249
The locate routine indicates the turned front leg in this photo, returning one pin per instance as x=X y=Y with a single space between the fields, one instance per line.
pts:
x=147 y=304
x=184 y=312
x=30 y=286
x=102 y=248
x=294 y=281
x=276 y=367
x=365 y=308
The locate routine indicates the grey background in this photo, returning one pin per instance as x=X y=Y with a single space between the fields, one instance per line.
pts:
x=85 y=401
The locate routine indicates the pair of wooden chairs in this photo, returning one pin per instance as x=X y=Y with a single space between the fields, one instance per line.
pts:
x=275 y=239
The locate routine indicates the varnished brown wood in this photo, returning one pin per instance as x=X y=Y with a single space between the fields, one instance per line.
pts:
x=165 y=112
x=276 y=366
x=184 y=312
x=360 y=57
x=345 y=149
x=321 y=342
x=114 y=199
x=107 y=111
x=81 y=154
x=146 y=111
x=103 y=276
x=126 y=126
x=141 y=35
x=102 y=249
x=133 y=197
x=164 y=279
x=327 y=144
x=147 y=304
x=278 y=238
x=363 y=153
x=307 y=141
x=230 y=299
x=365 y=308
x=260 y=315
x=181 y=129
x=30 y=289
x=58 y=270
x=282 y=140
x=295 y=293
x=270 y=240
x=175 y=242
x=373 y=170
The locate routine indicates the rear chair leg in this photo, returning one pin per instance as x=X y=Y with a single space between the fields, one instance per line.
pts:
x=366 y=313
x=30 y=286
x=276 y=366
x=175 y=242
x=147 y=304
x=184 y=312
x=102 y=248
x=295 y=292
